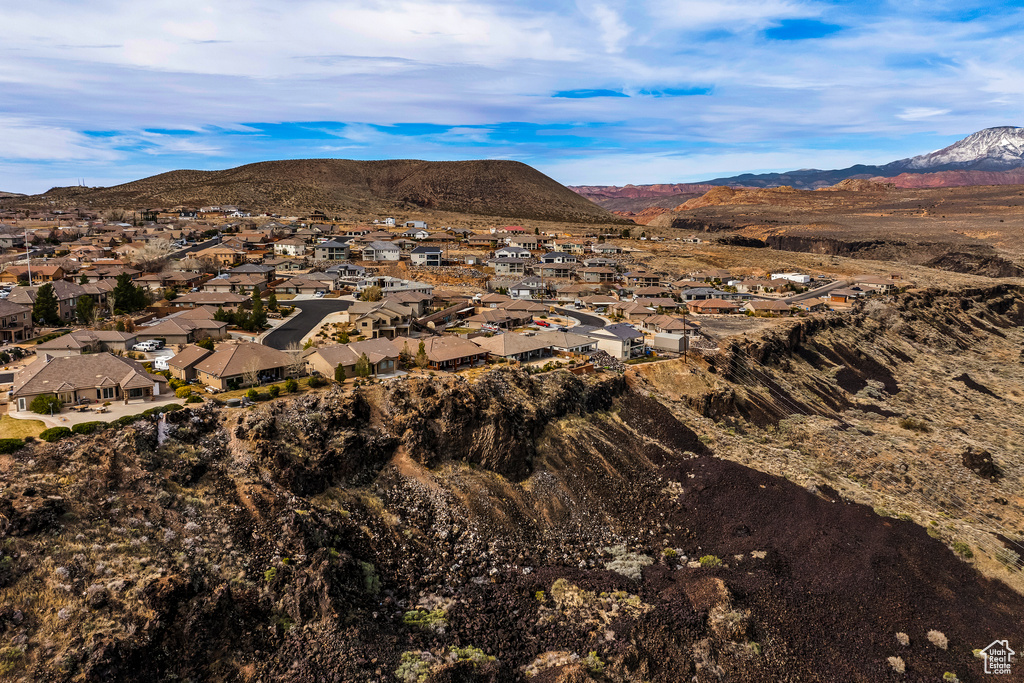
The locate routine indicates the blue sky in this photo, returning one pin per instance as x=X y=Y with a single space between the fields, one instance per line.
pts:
x=587 y=91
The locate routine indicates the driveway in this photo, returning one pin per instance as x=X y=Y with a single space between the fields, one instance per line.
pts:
x=6 y=377
x=182 y=253
x=584 y=318
x=818 y=291
x=311 y=312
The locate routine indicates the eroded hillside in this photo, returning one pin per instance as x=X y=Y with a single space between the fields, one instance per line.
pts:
x=677 y=522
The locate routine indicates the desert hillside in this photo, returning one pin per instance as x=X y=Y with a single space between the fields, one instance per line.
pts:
x=342 y=186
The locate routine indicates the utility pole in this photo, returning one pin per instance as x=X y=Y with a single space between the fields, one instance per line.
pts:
x=28 y=258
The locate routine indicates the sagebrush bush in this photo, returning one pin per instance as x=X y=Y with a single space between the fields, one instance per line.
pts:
x=88 y=427
x=10 y=445
x=55 y=434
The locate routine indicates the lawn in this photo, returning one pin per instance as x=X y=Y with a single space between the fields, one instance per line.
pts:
x=11 y=428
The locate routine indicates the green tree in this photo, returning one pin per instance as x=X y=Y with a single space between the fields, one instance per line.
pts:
x=205 y=344
x=222 y=316
x=343 y=337
x=272 y=302
x=259 y=315
x=339 y=373
x=127 y=297
x=624 y=234
x=45 y=404
x=44 y=309
x=405 y=355
x=363 y=368
x=84 y=280
x=371 y=294
x=84 y=309
x=421 y=356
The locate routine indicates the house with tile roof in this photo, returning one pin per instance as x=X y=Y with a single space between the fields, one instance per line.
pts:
x=87 y=341
x=95 y=376
x=238 y=364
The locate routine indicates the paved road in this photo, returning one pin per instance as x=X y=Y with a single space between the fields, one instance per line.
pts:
x=584 y=318
x=298 y=326
x=819 y=291
x=182 y=253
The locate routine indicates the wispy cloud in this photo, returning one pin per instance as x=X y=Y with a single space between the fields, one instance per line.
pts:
x=680 y=88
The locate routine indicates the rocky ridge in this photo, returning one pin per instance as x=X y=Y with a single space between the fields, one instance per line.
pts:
x=679 y=521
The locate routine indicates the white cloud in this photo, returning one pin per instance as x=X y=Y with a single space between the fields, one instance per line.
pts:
x=25 y=140
x=919 y=113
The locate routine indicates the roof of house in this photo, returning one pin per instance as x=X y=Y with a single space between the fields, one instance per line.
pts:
x=79 y=339
x=11 y=308
x=441 y=349
x=759 y=305
x=377 y=245
x=564 y=340
x=376 y=350
x=427 y=250
x=188 y=356
x=335 y=354
x=511 y=344
x=234 y=359
x=211 y=298
x=713 y=303
x=51 y=375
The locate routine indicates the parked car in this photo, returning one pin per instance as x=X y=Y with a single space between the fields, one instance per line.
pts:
x=542 y=323
x=145 y=346
x=319 y=294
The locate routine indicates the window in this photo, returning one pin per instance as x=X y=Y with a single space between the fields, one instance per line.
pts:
x=106 y=392
x=136 y=393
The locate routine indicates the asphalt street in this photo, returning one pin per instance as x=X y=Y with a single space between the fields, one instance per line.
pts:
x=584 y=318
x=311 y=312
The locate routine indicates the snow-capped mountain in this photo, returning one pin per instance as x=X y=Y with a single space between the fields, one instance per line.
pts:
x=992 y=149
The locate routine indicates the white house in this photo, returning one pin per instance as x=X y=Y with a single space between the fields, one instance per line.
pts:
x=381 y=251
x=798 y=278
x=512 y=252
x=289 y=247
x=426 y=256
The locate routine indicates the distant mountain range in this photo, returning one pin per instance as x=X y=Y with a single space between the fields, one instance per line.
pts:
x=994 y=156
x=347 y=188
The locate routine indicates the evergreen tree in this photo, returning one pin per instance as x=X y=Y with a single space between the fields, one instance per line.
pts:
x=259 y=316
x=362 y=366
x=127 y=297
x=45 y=309
x=272 y=302
x=222 y=316
x=405 y=356
x=84 y=308
x=84 y=280
x=339 y=373
x=343 y=337
x=421 y=356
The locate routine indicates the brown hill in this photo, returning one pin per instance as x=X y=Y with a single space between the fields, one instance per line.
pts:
x=8 y=195
x=342 y=186
x=639 y=191
x=955 y=178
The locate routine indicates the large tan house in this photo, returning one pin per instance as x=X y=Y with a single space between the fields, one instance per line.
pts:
x=238 y=364
x=96 y=376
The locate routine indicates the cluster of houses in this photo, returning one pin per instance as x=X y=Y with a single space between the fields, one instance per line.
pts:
x=528 y=276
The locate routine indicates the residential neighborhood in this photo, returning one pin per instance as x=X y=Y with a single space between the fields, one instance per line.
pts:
x=219 y=299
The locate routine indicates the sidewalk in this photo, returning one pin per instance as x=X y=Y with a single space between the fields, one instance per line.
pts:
x=116 y=409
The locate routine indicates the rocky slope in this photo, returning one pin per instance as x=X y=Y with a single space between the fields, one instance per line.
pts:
x=609 y=528
x=490 y=188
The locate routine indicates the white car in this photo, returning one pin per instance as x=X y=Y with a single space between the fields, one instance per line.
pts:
x=145 y=346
